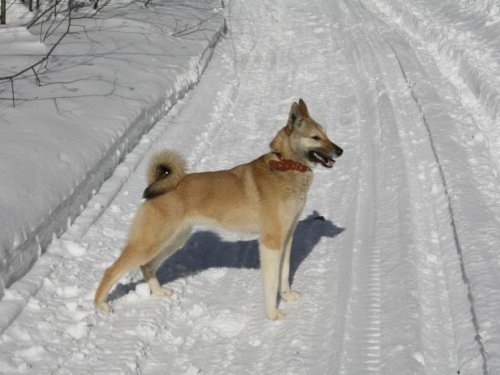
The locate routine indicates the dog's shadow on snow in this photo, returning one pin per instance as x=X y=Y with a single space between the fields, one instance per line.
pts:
x=205 y=250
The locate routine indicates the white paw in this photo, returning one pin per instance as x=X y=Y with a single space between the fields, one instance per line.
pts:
x=276 y=314
x=104 y=307
x=163 y=292
x=290 y=295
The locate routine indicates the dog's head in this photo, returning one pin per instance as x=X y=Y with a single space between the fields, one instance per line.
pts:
x=306 y=139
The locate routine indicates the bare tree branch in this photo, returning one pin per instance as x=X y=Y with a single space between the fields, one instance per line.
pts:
x=42 y=15
x=48 y=14
x=187 y=30
x=51 y=29
x=39 y=62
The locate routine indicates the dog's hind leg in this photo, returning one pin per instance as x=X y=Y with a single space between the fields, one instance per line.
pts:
x=149 y=269
x=129 y=258
x=147 y=239
x=149 y=273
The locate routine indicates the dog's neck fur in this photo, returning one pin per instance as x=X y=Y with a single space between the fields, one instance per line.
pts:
x=281 y=145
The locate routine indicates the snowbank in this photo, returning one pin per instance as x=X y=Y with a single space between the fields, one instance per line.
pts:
x=104 y=87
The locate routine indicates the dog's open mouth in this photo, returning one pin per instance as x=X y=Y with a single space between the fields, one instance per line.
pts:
x=318 y=157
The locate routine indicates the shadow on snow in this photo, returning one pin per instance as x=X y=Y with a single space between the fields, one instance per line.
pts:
x=205 y=250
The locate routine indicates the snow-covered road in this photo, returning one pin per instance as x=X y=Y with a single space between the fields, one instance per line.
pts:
x=401 y=276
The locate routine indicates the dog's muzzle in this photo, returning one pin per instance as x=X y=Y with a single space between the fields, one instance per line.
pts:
x=325 y=159
x=320 y=157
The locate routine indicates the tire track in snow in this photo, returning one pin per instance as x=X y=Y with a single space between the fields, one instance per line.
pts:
x=432 y=303
x=446 y=291
x=390 y=193
x=362 y=336
x=442 y=182
x=433 y=239
x=474 y=185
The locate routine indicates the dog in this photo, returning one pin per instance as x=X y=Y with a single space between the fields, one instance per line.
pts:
x=265 y=196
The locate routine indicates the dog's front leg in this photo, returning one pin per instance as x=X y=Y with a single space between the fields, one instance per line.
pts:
x=270 y=259
x=286 y=293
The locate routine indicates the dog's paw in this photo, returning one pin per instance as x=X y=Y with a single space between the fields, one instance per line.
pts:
x=163 y=292
x=276 y=314
x=290 y=295
x=104 y=307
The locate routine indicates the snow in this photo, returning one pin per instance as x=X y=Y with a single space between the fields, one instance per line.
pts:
x=396 y=253
x=81 y=122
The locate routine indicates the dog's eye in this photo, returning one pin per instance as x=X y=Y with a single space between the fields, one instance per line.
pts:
x=316 y=138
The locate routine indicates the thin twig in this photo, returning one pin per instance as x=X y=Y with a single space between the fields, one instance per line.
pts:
x=12 y=89
x=40 y=15
x=37 y=79
x=192 y=29
x=49 y=32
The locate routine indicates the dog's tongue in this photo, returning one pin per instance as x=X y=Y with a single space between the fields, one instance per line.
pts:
x=329 y=163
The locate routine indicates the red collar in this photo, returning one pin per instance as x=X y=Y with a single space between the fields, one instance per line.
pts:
x=287 y=165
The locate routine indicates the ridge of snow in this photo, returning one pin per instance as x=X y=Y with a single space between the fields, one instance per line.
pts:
x=82 y=141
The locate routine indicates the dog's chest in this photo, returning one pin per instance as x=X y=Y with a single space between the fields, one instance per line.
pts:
x=297 y=187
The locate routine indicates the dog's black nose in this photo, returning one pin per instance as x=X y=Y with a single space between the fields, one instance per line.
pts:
x=339 y=151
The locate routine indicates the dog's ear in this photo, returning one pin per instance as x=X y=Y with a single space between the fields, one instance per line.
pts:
x=303 y=109
x=295 y=117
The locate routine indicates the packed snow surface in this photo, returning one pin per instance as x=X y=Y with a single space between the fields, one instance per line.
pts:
x=396 y=253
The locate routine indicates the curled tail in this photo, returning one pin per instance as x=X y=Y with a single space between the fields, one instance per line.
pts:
x=165 y=170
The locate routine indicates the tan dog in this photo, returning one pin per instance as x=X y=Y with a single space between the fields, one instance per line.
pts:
x=265 y=196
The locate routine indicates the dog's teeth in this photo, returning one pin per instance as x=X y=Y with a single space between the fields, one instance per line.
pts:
x=319 y=157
